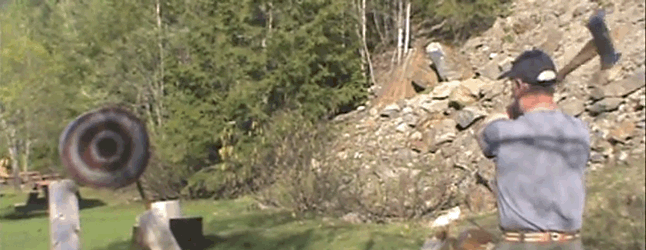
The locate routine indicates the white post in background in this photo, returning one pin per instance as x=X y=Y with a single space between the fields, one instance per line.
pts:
x=64 y=222
x=167 y=209
x=153 y=230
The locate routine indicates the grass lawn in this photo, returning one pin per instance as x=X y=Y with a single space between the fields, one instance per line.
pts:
x=614 y=219
x=234 y=224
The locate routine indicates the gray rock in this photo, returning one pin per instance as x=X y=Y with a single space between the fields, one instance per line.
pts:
x=560 y=96
x=416 y=136
x=450 y=64
x=467 y=116
x=622 y=131
x=460 y=97
x=449 y=151
x=411 y=119
x=623 y=156
x=602 y=147
x=505 y=64
x=552 y=39
x=638 y=98
x=474 y=86
x=443 y=91
x=442 y=133
x=419 y=100
x=438 y=56
x=495 y=67
x=447 y=131
x=435 y=106
x=490 y=90
x=580 y=10
x=403 y=127
x=573 y=106
x=390 y=110
x=605 y=105
x=625 y=86
x=433 y=244
x=352 y=217
x=490 y=70
x=373 y=112
x=596 y=157
x=596 y=94
x=407 y=110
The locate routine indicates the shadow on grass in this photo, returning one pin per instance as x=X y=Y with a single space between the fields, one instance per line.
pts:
x=207 y=243
x=40 y=209
x=261 y=230
x=279 y=230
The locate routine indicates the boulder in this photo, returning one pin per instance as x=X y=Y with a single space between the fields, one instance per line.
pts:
x=605 y=105
x=390 y=110
x=625 y=86
x=443 y=90
x=467 y=116
x=450 y=66
x=460 y=97
x=573 y=106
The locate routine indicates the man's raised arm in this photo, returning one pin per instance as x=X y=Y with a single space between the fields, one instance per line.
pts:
x=488 y=136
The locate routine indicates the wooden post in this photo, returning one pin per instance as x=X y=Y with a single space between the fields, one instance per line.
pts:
x=167 y=209
x=64 y=222
x=153 y=232
x=163 y=227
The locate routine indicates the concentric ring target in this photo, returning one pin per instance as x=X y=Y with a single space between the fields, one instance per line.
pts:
x=108 y=147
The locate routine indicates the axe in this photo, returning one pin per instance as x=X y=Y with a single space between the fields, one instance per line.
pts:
x=601 y=44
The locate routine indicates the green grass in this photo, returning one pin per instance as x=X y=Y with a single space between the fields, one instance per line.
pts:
x=614 y=219
x=614 y=212
x=233 y=224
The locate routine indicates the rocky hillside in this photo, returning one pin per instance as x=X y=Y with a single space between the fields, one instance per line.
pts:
x=423 y=144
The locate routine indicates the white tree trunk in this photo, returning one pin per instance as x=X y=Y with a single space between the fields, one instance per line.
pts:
x=160 y=88
x=400 y=30
x=15 y=167
x=408 y=36
x=10 y=137
x=359 y=29
x=365 y=44
x=25 y=156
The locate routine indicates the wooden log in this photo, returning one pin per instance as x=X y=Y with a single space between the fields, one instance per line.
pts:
x=153 y=233
x=64 y=222
x=167 y=209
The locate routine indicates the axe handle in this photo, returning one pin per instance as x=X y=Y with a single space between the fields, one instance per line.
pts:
x=588 y=52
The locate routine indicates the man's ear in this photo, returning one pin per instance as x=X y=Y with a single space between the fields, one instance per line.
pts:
x=522 y=86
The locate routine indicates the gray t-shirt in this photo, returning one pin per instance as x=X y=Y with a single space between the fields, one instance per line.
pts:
x=540 y=159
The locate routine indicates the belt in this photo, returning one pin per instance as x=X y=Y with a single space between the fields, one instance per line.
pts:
x=540 y=236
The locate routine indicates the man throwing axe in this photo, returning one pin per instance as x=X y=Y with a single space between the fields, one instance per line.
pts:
x=540 y=155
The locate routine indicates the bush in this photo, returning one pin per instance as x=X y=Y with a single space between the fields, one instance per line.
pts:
x=309 y=178
x=462 y=18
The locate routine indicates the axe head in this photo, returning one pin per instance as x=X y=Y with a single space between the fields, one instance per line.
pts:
x=602 y=40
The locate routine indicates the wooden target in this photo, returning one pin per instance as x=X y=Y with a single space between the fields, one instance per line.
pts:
x=105 y=148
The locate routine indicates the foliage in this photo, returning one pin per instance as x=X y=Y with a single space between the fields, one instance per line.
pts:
x=30 y=96
x=217 y=82
x=463 y=18
x=228 y=224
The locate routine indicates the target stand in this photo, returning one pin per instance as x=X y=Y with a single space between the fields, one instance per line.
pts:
x=109 y=148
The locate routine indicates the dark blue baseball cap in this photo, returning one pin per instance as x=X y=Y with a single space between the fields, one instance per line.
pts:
x=534 y=67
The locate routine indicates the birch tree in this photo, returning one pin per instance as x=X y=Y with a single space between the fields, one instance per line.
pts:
x=408 y=35
x=25 y=97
